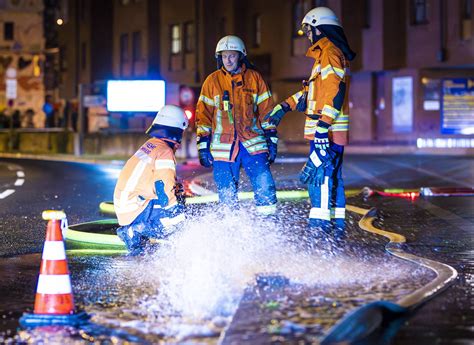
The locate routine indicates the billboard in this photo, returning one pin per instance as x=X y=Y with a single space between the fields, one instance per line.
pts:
x=457 y=106
x=402 y=104
x=135 y=95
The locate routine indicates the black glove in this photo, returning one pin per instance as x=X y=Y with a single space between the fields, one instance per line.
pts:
x=204 y=151
x=272 y=143
x=274 y=117
x=179 y=192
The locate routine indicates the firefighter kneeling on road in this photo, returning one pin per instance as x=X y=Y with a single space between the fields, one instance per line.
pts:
x=230 y=129
x=148 y=201
x=325 y=101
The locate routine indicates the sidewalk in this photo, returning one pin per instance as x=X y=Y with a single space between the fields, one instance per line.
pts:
x=298 y=149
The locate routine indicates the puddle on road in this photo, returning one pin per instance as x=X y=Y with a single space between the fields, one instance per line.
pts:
x=189 y=289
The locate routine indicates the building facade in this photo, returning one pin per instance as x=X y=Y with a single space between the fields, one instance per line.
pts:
x=412 y=77
x=22 y=53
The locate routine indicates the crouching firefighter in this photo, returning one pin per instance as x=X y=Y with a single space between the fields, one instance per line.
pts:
x=231 y=132
x=148 y=201
x=324 y=99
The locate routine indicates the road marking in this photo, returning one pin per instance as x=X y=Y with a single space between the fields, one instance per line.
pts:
x=427 y=172
x=20 y=180
x=444 y=214
x=366 y=175
x=6 y=193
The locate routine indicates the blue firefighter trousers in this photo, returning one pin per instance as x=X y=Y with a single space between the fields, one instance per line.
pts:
x=257 y=168
x=151 y=223
x=328 y=201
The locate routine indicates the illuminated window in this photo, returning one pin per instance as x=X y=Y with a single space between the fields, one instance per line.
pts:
x=300 y=8
x=175 y=39
x=419 y=12
x=189 y=37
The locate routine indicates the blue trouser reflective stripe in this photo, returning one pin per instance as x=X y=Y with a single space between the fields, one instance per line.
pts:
x=257 y=168
x=328 y=200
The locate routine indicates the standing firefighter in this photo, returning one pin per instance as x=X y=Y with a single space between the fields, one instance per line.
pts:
x=230 y=129
x=148 y=200
x=324 y=99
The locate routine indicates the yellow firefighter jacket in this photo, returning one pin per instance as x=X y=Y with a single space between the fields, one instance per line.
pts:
x=135 y=187
x=241 y=121
x=328 y=91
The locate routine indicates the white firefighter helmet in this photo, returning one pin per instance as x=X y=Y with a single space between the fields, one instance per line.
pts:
x=321 y=16
x=230 y=43
x=171 y=116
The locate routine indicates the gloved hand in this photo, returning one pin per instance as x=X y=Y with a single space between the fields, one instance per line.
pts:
x=321 y=137
x=308 y=173
x=316 y=168
x=204 y=151
x=272 y=143
x=274 y=117
x=179 y=192
x=302 y=102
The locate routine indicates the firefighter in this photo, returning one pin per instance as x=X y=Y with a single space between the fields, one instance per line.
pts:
x=231 y=132
x=148 y=200
x=324 y=99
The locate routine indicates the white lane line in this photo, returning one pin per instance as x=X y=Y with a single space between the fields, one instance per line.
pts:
x=20 y=173
x=6 y=193
x=19 y=182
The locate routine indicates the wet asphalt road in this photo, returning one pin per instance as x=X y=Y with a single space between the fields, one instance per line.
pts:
x=437 y=228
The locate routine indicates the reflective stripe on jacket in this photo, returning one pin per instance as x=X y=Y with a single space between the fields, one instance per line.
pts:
x=328 y=91
x=135 y=187
x=238 y=120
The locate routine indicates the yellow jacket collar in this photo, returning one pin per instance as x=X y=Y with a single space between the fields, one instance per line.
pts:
x=315 y=50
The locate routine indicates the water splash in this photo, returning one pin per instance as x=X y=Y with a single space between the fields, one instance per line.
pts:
x=206 y=267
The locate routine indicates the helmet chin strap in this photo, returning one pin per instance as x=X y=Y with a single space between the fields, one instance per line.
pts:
x=315 y=38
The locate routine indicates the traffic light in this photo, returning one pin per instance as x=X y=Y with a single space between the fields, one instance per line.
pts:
x=190 y=111
x=187 y=99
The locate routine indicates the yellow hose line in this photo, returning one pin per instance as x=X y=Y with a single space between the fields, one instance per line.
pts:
x=98 y=251
x=445 y=274
x=108 y=207
x=366 y=224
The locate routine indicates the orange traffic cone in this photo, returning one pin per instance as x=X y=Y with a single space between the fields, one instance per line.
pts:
x=54 y=302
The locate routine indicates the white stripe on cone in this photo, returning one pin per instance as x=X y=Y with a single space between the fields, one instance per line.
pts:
x=54 y=284
x=54 y=250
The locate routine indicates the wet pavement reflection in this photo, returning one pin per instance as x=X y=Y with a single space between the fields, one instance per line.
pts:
x=210 y=278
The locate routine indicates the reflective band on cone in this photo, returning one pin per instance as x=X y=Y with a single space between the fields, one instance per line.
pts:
x=54 y=302
x=54 y=293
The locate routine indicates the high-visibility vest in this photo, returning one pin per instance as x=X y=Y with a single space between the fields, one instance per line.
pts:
x=327 y=92
x=231 y=109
